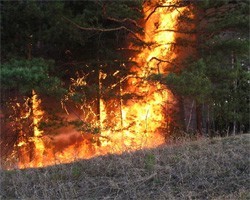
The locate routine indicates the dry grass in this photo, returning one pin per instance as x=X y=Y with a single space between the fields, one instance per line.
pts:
x=205 y=169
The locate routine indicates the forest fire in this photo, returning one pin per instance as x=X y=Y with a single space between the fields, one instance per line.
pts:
x=138 y=122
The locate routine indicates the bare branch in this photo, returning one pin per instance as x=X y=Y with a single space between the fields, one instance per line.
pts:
x=176 y=31
x=96 y=29
x=124 y=20
x=103 y=29
x=160 y=60
x=165 y=6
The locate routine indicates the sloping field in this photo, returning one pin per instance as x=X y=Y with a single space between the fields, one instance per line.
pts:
x=205 y=169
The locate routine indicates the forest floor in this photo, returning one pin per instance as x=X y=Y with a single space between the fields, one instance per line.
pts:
x=215 y=168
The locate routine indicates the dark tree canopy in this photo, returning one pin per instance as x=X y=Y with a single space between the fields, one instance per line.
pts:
x=79 y=36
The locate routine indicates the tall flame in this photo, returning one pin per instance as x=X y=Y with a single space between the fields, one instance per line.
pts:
x=139 y=120
x=36 y=139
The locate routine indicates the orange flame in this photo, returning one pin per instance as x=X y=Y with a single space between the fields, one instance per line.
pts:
x=37 y=140
x=139 y=121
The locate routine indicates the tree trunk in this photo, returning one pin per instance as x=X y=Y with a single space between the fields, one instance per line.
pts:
x=233 y=62
x=198 y=118
x=181 y=106
x=29 y=48
x=208 y=126
x=190 y=116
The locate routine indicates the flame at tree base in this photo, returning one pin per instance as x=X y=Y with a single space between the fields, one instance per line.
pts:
x=136 y=131
x=139 y=123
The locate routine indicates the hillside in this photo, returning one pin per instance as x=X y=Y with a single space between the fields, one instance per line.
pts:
x=205 y=169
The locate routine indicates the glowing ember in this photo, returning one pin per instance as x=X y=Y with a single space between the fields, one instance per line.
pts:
x=137 y=121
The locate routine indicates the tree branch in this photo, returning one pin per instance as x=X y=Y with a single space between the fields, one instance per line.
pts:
x=165 y=6
x=125 y=20
x=176 y=31
x=160 y=61
x=103 y=29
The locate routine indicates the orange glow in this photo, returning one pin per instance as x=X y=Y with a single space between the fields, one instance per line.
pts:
x=37 y=140
x=139 y=121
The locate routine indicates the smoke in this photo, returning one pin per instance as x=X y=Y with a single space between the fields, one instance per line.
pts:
x=64 y=140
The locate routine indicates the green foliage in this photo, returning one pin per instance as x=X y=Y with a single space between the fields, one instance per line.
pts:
x=150 y=161
x=51 y=30
x=124 y=9
x=239 y=46
x=27 y=75
x=85 y=127
x=35 y=18
x=191 y=82
x=226 y=56
x=76 y=171
x=47 y=23
x=53 y=122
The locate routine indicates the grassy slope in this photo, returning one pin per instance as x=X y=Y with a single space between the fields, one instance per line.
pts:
x=205 y=169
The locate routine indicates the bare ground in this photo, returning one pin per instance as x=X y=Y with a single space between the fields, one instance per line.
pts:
x=205 y=169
